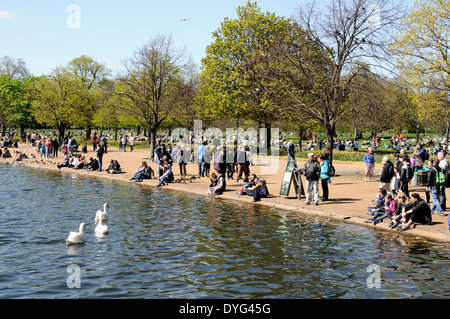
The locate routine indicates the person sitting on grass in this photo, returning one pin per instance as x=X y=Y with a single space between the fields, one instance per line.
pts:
x=167 y=177
x=143 y=172
x=417 y=212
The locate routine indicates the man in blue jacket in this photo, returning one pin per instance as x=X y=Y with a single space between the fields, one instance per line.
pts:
x=200 y=159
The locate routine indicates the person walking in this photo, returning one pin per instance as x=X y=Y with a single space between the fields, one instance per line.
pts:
x=240 y=159
x=132 y=141
x=291 y=152
x=312 y=174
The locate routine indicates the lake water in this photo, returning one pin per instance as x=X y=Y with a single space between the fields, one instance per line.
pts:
x=164 y=244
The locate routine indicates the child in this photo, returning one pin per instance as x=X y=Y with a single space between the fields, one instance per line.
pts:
x=396 y=181
x=390 y=206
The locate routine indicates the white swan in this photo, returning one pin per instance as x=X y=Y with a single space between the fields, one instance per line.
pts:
x=102 y=215
x=77 y=238
x=101 y=228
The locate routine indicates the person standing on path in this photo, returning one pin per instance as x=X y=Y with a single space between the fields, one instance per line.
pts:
x=100 y=153
x=324 y=178
x=444 y=165
x=312 y=174
x=435 y=188
x=200 y=160
x=369 y=162
x=386 y=174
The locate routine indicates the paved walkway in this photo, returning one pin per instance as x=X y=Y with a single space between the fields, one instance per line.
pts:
x=349 y=193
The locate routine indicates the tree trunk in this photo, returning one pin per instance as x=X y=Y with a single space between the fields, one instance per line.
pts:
x=417 y=134
x=152 y=131
x=447 y=132
x=331 y=130
x=61 y=131
x=88 y=132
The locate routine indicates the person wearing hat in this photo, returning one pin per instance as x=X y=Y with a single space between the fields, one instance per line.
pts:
x=312 y=175
x=386 y=174
x=417 y=212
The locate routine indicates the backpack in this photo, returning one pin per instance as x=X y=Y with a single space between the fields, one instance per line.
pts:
x=409 y=172
x=331 y=171
x=440 y=177
x=426 y=155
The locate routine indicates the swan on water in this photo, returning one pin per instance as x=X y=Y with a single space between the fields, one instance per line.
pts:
x=77 y=238
x=102 y=215
x=101 y=228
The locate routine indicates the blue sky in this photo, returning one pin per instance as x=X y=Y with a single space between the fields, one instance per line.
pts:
x=37 y=31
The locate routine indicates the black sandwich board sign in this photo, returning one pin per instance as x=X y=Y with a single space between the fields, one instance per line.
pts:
x=292 y=174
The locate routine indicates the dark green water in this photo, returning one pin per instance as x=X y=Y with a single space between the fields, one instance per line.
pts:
x=170 y=245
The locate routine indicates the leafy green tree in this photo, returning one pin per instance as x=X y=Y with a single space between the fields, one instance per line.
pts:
x=55 y=99
x=422 y=45
x=92 y=75
x=236 y=81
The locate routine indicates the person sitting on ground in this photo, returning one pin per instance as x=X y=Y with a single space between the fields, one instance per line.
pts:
x=64 y=163
x=260 y=189
x=17 y=156
x=81 y=162
x=379 y=202
x=114 y=167
x=390 y=206
x=167 y=177
x=417 y=212
x=217 y=185
x=6 y=153
x=92 y=165
x=143 y=172
x=74 y=161
x=402 y=202
x=245 y=190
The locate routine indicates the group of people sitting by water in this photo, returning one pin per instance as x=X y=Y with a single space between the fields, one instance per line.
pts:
x=402 y=211
x=79 y=162
x=394 y=200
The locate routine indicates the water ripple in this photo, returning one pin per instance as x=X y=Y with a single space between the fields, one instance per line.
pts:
x=167 y=245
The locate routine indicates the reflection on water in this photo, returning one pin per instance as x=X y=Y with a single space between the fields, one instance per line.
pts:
x=164 y=244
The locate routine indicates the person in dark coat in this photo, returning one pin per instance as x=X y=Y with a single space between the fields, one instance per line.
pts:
x=417 y=212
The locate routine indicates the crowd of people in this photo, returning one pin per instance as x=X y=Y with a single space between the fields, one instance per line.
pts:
x=222 y=162
x=394 y=200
